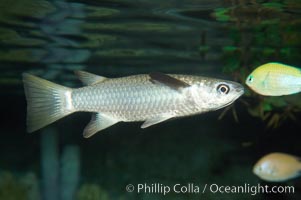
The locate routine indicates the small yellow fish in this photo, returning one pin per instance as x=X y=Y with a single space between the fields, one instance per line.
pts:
x=277 y=167
x=275 y=79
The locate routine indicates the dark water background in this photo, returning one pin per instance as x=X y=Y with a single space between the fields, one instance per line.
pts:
x=218 y=38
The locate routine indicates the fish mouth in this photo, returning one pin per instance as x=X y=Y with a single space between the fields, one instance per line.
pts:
x=240 y=92
x=255 y=170
x=239 y=89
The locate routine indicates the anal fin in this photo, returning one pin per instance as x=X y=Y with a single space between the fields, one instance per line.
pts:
x=155 y=120
x=98 y=122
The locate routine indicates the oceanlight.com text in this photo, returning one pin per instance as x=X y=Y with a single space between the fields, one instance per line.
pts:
x=193 y=188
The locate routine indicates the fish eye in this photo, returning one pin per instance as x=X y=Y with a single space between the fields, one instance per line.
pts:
x=259 y=168
x=223 y=88
x=250 y=78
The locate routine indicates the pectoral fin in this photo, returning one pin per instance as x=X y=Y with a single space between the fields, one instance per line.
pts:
x=98 y=122
x=88 y=78
x=155 y=120
x=265 y=82
x=176 y=84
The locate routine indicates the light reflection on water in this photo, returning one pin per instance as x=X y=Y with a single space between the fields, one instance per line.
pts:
x=116 y=38
x=109 y=37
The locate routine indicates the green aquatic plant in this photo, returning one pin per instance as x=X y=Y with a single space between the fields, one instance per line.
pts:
x=265 y=13
x=221 y=14
x=274 y=111
x=91 y=192
x=32 y=185
x=11 y=188
x=276 y=36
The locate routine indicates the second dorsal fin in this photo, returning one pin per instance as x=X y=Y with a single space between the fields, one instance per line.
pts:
x=89 y=78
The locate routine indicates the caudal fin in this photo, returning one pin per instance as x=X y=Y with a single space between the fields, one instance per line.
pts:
x=46 y=102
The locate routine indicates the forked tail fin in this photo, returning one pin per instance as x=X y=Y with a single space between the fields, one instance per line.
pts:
x=46 y=102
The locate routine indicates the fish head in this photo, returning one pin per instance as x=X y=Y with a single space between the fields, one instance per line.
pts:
x=258 y=79
x=255 y=82
x=265 y=169
x=213 y=94
x=250 y=80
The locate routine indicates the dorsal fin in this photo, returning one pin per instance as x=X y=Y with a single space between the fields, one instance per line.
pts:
x=89 y=78
x=176 y=84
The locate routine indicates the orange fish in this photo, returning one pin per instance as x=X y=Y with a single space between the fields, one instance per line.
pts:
x=278 y=167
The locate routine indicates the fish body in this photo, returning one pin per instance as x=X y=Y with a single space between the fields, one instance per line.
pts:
x=278 y=167
x=275 y=79
x=151 y=98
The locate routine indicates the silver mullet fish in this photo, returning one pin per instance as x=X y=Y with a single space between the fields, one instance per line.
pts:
x=151 y=98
